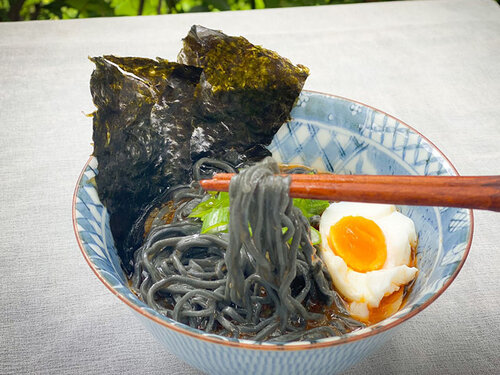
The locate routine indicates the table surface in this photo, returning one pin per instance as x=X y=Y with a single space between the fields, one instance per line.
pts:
x=434 y=64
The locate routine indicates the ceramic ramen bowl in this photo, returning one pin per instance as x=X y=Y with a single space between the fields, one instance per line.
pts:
x=331 y=134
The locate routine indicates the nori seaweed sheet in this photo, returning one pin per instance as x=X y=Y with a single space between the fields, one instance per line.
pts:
x=226 y=98
x=245 y=91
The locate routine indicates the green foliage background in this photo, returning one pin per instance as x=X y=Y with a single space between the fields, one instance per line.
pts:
x=19 y=10
x=23 y=10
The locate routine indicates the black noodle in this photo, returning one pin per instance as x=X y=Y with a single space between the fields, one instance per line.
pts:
x=256 y=281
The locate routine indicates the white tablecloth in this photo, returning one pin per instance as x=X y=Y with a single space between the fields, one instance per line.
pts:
x=433 y=64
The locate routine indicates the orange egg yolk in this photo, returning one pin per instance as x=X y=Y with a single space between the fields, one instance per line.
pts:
x=359 y=242
x=389 y=305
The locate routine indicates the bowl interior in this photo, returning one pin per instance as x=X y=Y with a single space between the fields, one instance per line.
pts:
x=330 y=134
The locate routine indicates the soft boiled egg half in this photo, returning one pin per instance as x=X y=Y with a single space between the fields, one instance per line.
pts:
x=369 y=252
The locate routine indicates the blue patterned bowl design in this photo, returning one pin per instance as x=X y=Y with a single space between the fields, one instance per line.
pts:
x=331 y=134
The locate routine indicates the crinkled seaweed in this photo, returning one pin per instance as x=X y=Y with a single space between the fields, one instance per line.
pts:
x=246 y=92
x=225 y=98
x=141 y=133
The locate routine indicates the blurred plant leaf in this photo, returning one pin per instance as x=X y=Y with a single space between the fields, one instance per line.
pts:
x=91 y=8
x=218 y=4
x=131 y=7
x=198 y=8
x=292 y=3
x=125 y=7
x=55 y=7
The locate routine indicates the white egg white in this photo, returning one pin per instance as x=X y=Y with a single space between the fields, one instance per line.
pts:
x=366 y=290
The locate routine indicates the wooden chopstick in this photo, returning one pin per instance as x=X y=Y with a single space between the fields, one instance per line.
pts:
x=478 y=192
x=381 y=179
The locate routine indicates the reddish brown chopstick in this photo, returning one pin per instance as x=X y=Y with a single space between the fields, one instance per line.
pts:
x=478 y=192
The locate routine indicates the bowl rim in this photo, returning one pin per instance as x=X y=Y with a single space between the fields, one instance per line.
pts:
x=306 y=345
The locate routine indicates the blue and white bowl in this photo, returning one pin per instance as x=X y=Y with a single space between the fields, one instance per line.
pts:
x=331 y=134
